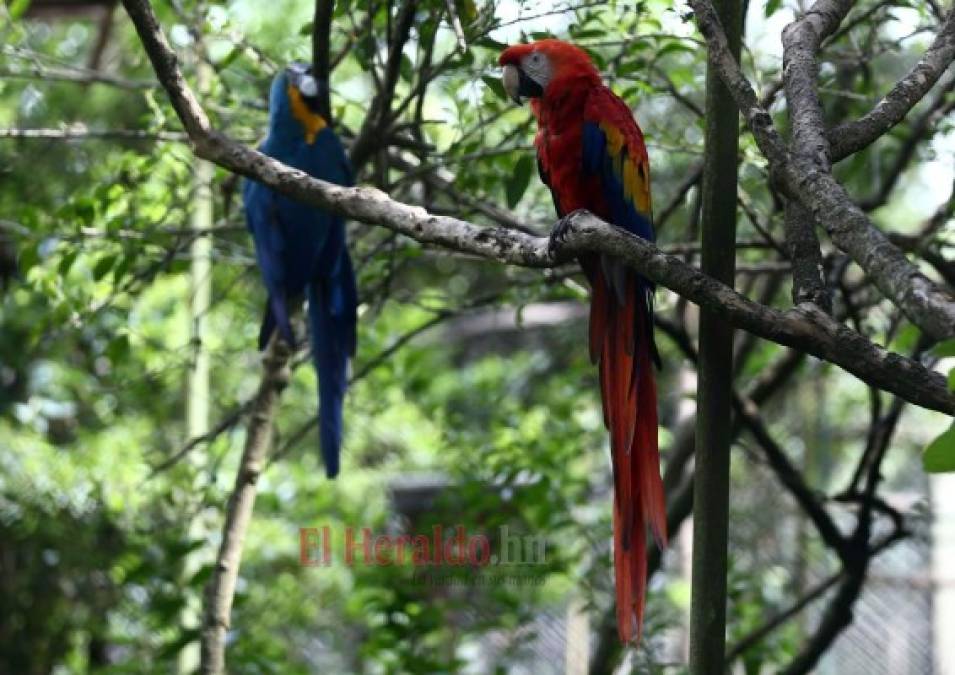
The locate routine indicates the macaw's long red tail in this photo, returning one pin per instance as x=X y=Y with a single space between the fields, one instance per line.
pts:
x=621 y=343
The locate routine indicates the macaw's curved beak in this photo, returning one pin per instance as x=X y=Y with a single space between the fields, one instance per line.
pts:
x=512 y=82
x=517 y=84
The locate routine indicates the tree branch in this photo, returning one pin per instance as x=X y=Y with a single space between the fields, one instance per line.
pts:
x=787 y=474
x=809 y=275
x=838 y=614
x=691 y=180
x=801 y=42
x=714 y=434
x=854 y=553
x=227 y=422
x=221 y=589
x=81 y=133
x=82 y=76
x=857 y=554
x=379 y=112
x=759 y=634
x=851 y=137
x=921 y=128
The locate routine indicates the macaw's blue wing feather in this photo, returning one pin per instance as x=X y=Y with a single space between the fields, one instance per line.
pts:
x=623 y=179
x=262 y=216
x=301 y=252
x=625 y=187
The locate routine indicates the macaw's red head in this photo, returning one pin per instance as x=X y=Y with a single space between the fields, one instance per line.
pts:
x=546 y=68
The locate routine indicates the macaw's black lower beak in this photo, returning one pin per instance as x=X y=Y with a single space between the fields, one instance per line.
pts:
x=518 y=84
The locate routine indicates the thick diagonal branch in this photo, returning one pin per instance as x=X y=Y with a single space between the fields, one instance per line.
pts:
x=801 y=41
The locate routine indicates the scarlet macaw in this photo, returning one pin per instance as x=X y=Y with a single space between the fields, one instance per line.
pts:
x=301 y=249
x=591 y=154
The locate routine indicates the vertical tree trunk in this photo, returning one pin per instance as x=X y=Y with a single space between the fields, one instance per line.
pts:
x=321 y=59
x=714 y=398
x=197 y=382
x=200 y=298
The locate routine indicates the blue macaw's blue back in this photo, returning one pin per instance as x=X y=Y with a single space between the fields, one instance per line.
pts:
x=301 y=252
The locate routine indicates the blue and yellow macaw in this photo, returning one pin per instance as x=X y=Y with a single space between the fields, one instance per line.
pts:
x=301 y=249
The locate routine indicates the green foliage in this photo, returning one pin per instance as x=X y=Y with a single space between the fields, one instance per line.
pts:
x=939 y=456
x=517 y=185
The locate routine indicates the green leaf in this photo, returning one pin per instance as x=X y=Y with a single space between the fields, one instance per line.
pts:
x=939 y=456
x=18 y=8
x=630 y=67
x=772 y=7
x=118 y=349
x=85 y=210
x=202 y=575
x=28 y=257
x=185 y=637
x=494 y=84
x=228 y=59
x=906 y=339
x=491 y=43
x=674 y=46
x=520 y=180
x=944 y=349
x=66 y=262
x=406 y=69
x=103 y=265
x=122 y=268
x=365 y=51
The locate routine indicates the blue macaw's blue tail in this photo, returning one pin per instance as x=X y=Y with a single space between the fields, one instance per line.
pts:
x=301 y=251
x=332 y=315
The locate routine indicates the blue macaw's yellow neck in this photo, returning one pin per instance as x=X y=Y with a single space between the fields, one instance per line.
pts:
x=311 y=121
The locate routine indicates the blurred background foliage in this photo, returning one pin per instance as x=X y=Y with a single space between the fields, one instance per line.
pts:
x=473 y=391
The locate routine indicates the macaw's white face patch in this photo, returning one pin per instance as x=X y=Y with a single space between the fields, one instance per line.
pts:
x=529 y=79
x=537 y=67
x=308 y=86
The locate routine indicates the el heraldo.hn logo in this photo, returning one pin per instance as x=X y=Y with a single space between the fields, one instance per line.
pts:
x=452 y=546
